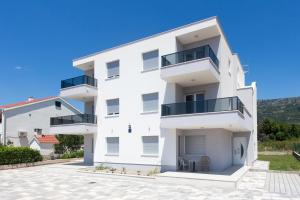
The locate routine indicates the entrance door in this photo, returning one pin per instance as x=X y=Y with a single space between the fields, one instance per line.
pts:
x=239 y=150
x=194 y=103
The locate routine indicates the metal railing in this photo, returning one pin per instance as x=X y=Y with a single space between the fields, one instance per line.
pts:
x=79 y=80
x=210 y=105
x=74 y=119
x=188 y=55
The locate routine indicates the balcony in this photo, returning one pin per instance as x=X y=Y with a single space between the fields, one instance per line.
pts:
x=225 y=113
x=79 y=124
x=191 y=67
x=82 y=88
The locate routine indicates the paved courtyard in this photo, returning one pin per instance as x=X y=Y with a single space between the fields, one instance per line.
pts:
x=63 y=181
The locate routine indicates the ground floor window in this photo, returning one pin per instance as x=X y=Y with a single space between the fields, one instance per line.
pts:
x=112 y=144
x=195 y=144
x=150 y=145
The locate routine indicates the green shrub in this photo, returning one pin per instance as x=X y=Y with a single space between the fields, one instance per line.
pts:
x=15 y=155
x=74 y=154
x=271 y=145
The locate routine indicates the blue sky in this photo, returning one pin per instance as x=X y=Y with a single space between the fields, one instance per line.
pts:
x=39 y=39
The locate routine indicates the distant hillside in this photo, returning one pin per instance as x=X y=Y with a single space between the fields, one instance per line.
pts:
x=282 y=110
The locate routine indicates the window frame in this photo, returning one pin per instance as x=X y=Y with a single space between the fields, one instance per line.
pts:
x=57 y=104
x=158 y=61
x=112 y=153
x=114 y=113
x=144 y=154
x=142 y=102
x=114 y=76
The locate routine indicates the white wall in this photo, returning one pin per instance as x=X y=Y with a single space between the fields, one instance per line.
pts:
x=45 y=149
x=28 y=118
x=88 y=149
x=132 y=83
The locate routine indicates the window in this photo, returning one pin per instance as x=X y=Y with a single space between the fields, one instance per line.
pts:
x=112 y=145
x=57 y=104
x=113 y=69
x=150 y=145
x=195 y=144
x=112 y=107
x=38 y=131
x=150 y=102
x=150 y=60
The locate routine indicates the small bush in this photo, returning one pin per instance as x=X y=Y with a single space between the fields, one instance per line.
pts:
x=15 y=155
x=74 y=154
x=101 y=167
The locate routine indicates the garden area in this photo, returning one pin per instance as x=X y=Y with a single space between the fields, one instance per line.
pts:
x=281 y=162
x=279 y=143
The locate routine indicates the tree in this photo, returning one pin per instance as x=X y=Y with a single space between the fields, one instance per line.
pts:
x=68 y=143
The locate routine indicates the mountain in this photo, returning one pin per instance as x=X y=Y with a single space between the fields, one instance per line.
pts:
x=282 y=110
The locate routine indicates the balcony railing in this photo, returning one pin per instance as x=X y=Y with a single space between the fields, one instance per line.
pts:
x=74 y=119
x=79 y=81
x=188 y=55
x=210 y=105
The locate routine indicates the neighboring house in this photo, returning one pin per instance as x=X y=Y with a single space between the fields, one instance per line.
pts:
x=21 y=122
x=44 y=144
x=165 y=101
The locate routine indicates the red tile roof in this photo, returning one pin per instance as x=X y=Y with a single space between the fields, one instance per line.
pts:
x=51 y=139
x=26 y=102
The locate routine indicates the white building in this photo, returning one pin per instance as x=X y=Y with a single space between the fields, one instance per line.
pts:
x=165 y=101
x=21 y=122
x=44 y=144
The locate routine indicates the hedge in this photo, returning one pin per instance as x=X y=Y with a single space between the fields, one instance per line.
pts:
x=15 y=155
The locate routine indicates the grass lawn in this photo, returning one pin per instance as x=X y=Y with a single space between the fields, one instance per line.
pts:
x=281 y=162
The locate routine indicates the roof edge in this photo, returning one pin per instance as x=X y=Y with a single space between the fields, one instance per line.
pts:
x=148 y=37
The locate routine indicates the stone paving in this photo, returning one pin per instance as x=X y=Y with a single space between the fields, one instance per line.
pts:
x=63 y=181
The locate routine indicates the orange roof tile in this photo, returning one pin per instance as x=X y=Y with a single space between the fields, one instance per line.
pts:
x=47 y=139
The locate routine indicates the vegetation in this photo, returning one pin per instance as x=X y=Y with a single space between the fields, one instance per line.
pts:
x=15 y=155
x=101 y=167
x=68 y=143
x=270 y=129
x=73 y=154
x=281 y=162
x=286 y=110
x=273 y=145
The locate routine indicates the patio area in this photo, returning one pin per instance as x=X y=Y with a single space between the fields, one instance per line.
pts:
x=228 y=178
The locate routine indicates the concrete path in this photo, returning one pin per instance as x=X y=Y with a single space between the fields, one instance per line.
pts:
x=63 y=181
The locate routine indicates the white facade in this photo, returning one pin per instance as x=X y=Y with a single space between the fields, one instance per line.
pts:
x=200 y=91
x=21 y=122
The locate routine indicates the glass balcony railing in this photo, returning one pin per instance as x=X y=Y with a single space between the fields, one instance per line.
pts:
x=189 y=55
x=74 y=119
x=79 y=80
x=210 y=105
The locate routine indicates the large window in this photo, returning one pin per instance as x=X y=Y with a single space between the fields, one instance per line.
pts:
x=150 y=60
x=195 y=144
x=112 y=106
x=150 y=145
x=150 y=102
x=112 y=144
x=113 y=69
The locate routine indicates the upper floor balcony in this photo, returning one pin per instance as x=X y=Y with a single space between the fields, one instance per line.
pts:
x=191 y=67
x=82 y=88
x=225 y=113
x=74 y=124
